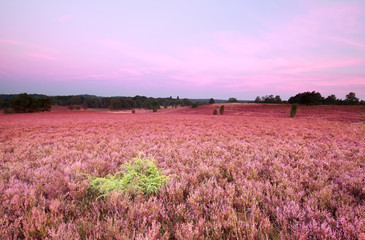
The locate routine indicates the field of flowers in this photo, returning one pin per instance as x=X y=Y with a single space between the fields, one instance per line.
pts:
x=234 y=176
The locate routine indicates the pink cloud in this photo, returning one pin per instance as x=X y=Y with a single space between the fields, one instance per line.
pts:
x=41 y=56
x=7 y=41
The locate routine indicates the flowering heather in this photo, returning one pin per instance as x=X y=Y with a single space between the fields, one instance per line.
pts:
x=234 y=176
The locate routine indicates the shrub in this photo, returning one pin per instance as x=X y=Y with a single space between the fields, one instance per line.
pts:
x=140 y=175
x=133 y=111
x=154 y=109
x=71 y=107
x=293 y=110
x=85 y=106
x=211 y=101
x=194 y=105
x=221 y=110
x=215 y=112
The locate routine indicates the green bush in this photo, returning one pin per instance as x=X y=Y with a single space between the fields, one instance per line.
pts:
x=221 y=110
x=215 y=112
x=139 y=176
x=293 y=110
x=194 y=105
x=154 y=109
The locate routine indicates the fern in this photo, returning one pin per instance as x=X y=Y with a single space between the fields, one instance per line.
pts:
x=140 y=175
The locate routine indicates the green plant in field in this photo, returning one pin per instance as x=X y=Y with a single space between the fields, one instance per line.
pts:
x=293 y=110
x=140 y=175
x=215 y=112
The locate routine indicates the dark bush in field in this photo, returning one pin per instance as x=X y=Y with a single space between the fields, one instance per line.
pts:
x=221 y=110
x=194 y=105
x=293 y=110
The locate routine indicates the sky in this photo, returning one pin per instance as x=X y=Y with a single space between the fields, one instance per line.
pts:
x=193 y=49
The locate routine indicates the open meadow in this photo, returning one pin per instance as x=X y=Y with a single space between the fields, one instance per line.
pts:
x=252 y=173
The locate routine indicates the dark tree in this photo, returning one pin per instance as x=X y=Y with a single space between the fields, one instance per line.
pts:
x=185 y=102
x=308 y=98
x=211 y=101
x=277 y=99
x=351 y=99
x=44 y=104
x=269 y=99
x=330 y=100
x=257 y=99
x=231 y=100
x=23 y=103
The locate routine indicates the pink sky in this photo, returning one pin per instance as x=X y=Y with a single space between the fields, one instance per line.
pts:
x=197 y=50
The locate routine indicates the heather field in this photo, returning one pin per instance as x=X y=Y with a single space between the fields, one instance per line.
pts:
x=253 y=173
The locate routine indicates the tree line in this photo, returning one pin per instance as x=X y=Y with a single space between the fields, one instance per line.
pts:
x=312 y=98
x=24 y=103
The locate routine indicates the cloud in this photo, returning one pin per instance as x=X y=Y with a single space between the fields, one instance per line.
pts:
x=41 y=56
x=12 y=42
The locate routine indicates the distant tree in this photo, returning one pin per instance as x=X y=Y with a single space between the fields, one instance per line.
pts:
x=185 y=102
x=330 y=100
x=221 y=110
x=156 y=104
x=194 y=105
x=147 y=105
x=257 y=99
x=351 y=99
x=44 y=104
x=211 y=101
x=308 y=98
x=277 y=99
x=76 y=100
x=268 y=99
x=71 y=107
x=231 y=100
x=23 y=103
x=114 y=104
x=138 y=103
